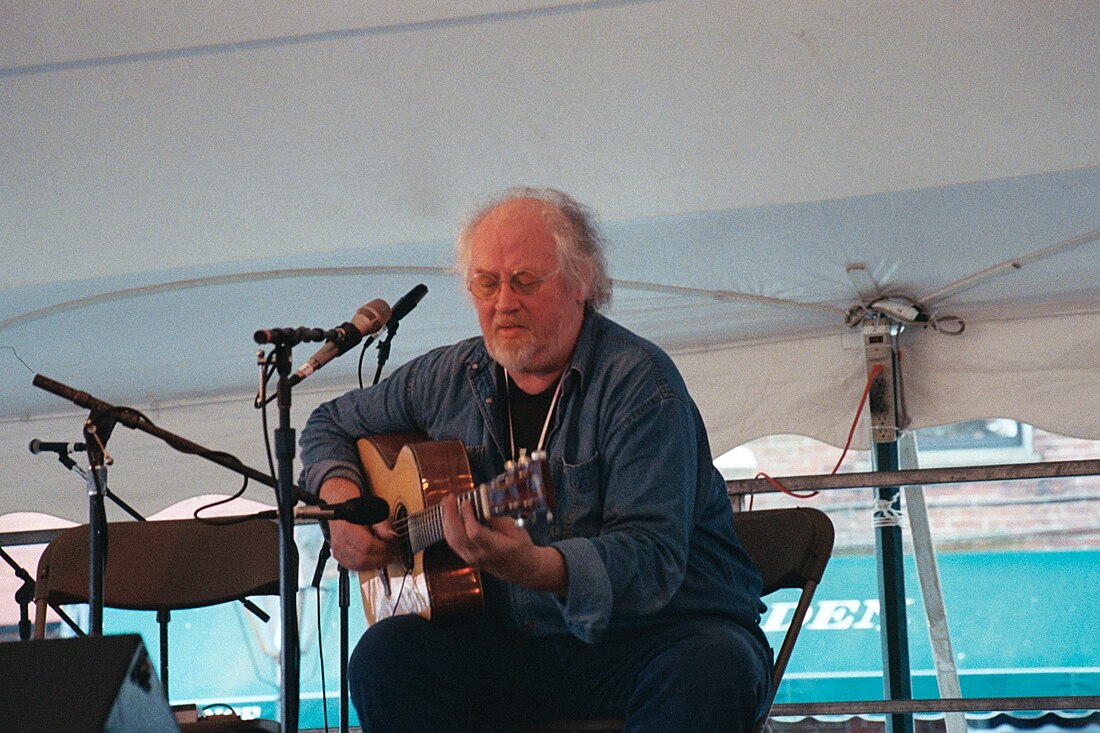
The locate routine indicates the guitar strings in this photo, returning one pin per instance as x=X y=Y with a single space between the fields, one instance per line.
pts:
x=430 y=520
x=433 y=514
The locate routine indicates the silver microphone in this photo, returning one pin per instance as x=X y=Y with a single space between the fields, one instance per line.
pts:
x=367 y=321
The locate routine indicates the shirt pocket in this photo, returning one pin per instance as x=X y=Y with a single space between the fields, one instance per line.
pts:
x=580 y=504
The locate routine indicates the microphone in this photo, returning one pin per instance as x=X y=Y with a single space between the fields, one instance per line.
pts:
x=62 y=449
x=367 y=321
x=364 y=510
x=408 y=301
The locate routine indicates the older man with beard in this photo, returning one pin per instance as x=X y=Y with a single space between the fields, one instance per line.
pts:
x=627 y=599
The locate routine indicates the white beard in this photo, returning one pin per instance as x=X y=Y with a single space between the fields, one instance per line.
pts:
x=517 y=358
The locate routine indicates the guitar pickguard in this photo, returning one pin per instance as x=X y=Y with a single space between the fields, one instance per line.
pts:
x=385 y=595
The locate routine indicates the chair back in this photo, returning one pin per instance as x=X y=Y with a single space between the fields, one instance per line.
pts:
x=790 y=548
x=162 y=565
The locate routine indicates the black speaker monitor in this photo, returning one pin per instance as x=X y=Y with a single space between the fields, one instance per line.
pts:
x=94 y=684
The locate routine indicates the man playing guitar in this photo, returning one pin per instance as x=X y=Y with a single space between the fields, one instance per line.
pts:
x=628 y=596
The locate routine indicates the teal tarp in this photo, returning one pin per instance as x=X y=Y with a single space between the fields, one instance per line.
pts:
x=1022 y=624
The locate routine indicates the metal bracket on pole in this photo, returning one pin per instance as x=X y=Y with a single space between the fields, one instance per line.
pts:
x=882 y=399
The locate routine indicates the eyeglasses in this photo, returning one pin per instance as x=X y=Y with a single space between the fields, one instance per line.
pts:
x=485 y=286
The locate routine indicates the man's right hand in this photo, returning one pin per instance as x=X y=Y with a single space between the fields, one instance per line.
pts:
x=356 y=546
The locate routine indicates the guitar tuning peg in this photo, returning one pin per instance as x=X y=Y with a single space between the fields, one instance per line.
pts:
x=510 y=466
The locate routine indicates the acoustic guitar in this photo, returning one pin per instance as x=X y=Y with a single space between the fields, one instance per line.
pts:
x=414 y=474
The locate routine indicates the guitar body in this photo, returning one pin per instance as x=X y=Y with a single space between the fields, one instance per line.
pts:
x=414 y=474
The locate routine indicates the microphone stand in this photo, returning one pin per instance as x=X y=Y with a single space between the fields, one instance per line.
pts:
x=286 y=498
x=288 y=493
x=23 y=596
x=345 y=604
x=66 y=460
x=343 y=574
x=344 y=583
x=97 y=431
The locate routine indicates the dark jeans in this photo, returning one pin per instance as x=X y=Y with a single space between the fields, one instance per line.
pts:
x=410 y=674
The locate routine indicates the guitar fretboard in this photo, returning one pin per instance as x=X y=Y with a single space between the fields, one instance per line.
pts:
x=423 y=529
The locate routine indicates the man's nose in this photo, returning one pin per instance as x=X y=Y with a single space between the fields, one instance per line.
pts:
x=507 y=298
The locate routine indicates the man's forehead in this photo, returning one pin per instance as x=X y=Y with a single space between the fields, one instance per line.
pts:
x=519 y=223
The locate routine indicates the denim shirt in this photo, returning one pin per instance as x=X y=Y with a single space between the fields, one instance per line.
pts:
x=642 y=517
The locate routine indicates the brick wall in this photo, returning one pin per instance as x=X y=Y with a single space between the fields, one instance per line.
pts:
x=1027 y=514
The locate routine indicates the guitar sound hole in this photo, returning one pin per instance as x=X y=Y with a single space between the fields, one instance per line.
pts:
x=404 y=551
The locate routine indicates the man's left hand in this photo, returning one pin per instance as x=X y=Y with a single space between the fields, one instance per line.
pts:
x=502 y=548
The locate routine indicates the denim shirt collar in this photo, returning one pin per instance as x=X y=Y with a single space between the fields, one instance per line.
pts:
x=481 y=372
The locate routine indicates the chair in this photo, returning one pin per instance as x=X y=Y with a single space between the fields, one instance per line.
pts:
x=161 y=566
x=790 y=548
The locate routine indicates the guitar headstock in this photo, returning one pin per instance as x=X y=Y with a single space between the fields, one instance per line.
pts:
x=523 y=490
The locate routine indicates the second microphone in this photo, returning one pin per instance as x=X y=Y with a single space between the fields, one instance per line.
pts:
x=367 y=321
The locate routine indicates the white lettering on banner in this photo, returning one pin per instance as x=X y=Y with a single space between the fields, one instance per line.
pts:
x=779 y=616
x=833 y=615
x=869 y=619
x=827 y=615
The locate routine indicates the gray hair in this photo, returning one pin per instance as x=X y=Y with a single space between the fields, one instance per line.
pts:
x=580 y=244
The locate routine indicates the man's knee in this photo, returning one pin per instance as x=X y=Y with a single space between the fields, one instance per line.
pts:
x=710 y=674
x=378 y=655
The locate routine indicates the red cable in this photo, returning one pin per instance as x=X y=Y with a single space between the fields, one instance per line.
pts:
x=876 y=370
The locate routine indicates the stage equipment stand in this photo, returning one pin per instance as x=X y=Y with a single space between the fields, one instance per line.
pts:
x=97 y=431
x=287 y=494
x=345 y=604
x=887 y=419
x=286 y=498
x=24 y=596
x=400 y=309
x=342 y=572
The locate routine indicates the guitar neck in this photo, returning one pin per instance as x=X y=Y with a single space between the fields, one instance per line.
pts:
x=425 y=528
x=519 y=492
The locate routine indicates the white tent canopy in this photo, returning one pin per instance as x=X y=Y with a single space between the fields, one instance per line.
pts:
x=179 y=176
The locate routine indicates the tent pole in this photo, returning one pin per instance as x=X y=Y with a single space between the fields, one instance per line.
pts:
x=928 y=573
x=887 y=419
x=890 y=559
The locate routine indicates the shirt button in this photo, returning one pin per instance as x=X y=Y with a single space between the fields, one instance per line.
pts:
x=488 y=400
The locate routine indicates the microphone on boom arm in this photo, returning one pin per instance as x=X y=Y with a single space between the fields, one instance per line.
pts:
x=367 y=321
x=407 y=302
x=364 y=510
